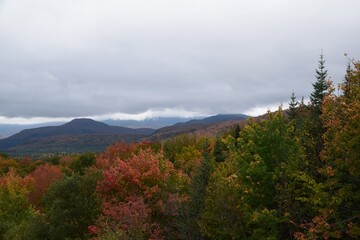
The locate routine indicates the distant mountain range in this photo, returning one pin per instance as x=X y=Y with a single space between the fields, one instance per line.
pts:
x=81 y=135
x=7 y=130
x=195 y=125
x=155 y=123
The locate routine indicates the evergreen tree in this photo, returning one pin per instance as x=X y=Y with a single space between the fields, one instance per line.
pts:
x=346 y=82
x=341 y=154
x=292 y=106
x=220 y=150
x=314 y=127
x=247 y=196
x=320 y=86
x=197 y=192
x=237 y=131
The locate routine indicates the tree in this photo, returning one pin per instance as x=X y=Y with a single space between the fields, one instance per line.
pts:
x=341 y=155
x=220 y=150
x=174 y=146
x=188 y=160
x=42 y=177
x=15 y=209
x=333 y=197
x=6 y=165
x=292 y=106
x=346 y=83
x=192 y=209
x=82 y=162
x=71 y=206
x=223 y=216
x=140 y=197
x=320 y=86
x=313 y=128
x=247 y=196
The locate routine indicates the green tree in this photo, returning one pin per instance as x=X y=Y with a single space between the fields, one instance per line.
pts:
x=236 y=131
x=224 y=213
x=321 y=85
x=15 y=209
x=309 y=124
x=292 y=106
x=174 y=146
x=82 y=162
x=220 y=150
x=331 y=198
x=71 y=206
x=247 y=196
x=346 y=83
x=192 y=209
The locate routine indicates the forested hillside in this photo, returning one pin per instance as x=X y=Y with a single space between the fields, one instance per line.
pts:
x=292 y=175
x=87 y=135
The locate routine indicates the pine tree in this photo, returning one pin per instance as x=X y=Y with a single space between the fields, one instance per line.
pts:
x=237 y=131
x=320 y=86
x=292 y=106
x=346 y=83
x=316 y=129
x=220 y=150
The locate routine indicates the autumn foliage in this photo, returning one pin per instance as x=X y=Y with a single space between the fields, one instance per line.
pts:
x=139 y=194
x=293 y=174
x=41 y=178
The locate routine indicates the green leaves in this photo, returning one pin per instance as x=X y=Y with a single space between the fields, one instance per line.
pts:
x=246 y=193
x=15 y=208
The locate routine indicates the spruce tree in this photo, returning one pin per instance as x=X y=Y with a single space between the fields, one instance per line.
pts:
x=236 y=131
x=320 y=86
x=220 y=150
x=314 y=127
x=346 y=83
x=292 y=106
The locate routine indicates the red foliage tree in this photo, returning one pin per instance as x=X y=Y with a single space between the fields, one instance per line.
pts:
x=138 y=193
x=114 y=152
x=42 y=177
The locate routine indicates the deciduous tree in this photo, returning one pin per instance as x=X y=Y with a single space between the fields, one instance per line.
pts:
x=15 y=209
x=42 y=177
x=140 y=197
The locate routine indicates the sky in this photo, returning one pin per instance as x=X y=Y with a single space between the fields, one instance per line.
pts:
x=135 y=59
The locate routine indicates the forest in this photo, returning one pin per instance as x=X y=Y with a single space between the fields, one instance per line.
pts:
x=292 y=175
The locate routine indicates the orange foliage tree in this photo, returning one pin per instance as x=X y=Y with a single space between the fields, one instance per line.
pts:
x=140 y=196
x=42 y=177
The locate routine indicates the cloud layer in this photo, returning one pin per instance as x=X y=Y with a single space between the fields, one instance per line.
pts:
x=78 y=58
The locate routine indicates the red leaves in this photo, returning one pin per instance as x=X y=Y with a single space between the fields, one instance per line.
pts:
x=141 y=175
x=113 y=153
x=93 y=230
x=132 y=214
x=135 y=193
x=43 y=176
x=318 y=228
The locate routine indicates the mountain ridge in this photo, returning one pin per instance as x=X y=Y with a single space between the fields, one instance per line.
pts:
x=84 y=134
x=82 y=126
x=7 y=130
x=195 y=125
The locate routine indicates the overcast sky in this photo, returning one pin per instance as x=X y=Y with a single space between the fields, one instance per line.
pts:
x=61 y=59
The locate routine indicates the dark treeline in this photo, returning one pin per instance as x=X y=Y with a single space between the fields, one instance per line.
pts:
x=293 y=175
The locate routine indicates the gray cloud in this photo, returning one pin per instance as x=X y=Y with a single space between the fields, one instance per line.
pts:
x=83 y=58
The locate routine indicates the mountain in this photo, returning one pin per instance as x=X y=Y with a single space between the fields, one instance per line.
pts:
x=81 y=135
x=155 y=123
x=7 y=130
x=84 y=134
x=195 y=125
